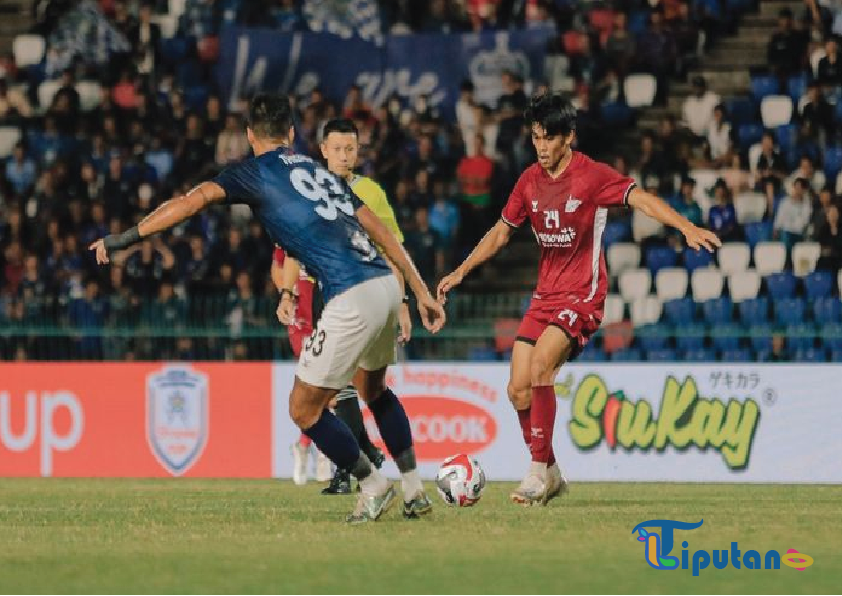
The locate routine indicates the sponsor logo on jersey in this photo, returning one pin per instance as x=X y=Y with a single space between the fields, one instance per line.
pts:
x=562 y=239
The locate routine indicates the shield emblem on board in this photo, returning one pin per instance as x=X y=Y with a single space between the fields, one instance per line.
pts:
x=177 y=417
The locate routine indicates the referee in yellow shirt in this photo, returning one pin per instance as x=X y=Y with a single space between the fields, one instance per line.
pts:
x=340 y=147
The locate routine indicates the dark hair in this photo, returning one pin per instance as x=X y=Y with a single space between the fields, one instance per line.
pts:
x=340 y=125
x=270 y=116
x=553 y=113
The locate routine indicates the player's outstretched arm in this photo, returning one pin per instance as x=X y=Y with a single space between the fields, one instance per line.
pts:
x=496 y=238
x=658 y=209
x=432 y=313
x=168 y=215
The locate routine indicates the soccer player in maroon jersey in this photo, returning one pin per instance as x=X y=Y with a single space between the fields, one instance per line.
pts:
x=565 y=197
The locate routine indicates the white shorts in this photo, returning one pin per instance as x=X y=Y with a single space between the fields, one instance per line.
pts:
x=357 y=329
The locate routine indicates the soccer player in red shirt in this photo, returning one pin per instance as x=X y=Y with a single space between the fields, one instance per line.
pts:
x=565 y=197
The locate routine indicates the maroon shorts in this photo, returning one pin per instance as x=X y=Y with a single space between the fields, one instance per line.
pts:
x=578 y=321
x=297 y=337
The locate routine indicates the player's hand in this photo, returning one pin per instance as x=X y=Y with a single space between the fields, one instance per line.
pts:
x=101 y=252
x=698 y=238
x=447 y=283
x=405 y=324
x=432 y=313
x=286 y=310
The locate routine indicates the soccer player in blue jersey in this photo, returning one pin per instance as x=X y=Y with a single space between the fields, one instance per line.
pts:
x=316 y=218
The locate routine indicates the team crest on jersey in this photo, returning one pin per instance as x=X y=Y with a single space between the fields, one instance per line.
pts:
x=572 y=204
x=534 y=206
x=177 y=417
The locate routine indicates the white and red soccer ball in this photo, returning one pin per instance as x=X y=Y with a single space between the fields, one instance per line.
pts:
x=460 y=481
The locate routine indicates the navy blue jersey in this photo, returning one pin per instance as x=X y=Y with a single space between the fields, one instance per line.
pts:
x=308 y=212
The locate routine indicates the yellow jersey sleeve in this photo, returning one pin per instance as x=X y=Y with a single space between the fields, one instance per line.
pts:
x=374 y=197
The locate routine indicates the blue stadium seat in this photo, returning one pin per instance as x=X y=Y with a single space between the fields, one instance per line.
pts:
x=592 y=355
x=818 y=284
x=760 y=231
x=616 y=231
x=741 y=111
x=726 y=337
x=663 y=355
x=196 y=97
x=627 y=355
x=762 y=86
x=692 y=337
x=638 y=21
x=760 y=337
x=836 y=355
x=797 y=87
x=680 y=312
x=832 y=162
x=749 y=134
x=712 y=8
x=616 y=113
x=658 y=257
x=827 y=310
x=832 y=336
x=781 y=285
x=790 y=311
x=718 y=311
x=699 y=355
x=174 y=49
x=481 y=354
x=741 y=355
x=800 y=336
x=653 y=337
x=811 y=355
x=754 y=311
x=787 y=135
x=693 y=259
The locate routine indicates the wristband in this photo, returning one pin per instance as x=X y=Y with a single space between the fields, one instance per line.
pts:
x=406 y=299
x=287 y=291
x=120 y=241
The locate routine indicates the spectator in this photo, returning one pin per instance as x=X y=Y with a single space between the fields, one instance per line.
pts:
x=770 y=165
x=466 y=114
x=475 y=176
x=13 y=102
x=830 y=240
x=779 y=351
x=817 y=115
x=167 y=310
x=699 y=108
x=808 y=172
x=650 y=163
x=145 y=38
x=146 y=265
x=193 y=152
x=719 y=137
x=793 y=215
x=426 y=248
x=232 y=144
x=722 y=217
x=620 y=46
x=820 y=208
x=88 y=314
x=786 y=49
x=829 y=73
x=20 y=171
x=444 y=215
x=657 y=53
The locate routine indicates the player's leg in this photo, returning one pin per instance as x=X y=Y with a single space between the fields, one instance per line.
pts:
x=301 y=448
x=519 y=388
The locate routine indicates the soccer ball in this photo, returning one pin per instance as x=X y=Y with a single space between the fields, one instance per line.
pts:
x=460 y=481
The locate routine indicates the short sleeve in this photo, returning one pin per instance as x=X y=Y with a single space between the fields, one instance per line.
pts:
x=241 y=182
x=514 y=213
x=610 y=188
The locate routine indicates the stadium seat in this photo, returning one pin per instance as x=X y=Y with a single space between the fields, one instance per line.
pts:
x=726 y=337
x=640 y=90
x=738 y=355
x=754 y=311
x=839 y=282
x=811 y=355
x=46 y=92
x=623 y=256
x=758 y=232
x=653 y=337
x=750 y=207
x=692 y=337
x=743 y=285
x=790 y=311
x=680 y=312
x=659 y=257
x=196 y=97
x=718 y=311
x=482 y=354
x=797 y=87
x=763 y=86
x=800 y=337
x=832 y=162
x=616 y=113
x=634 y=284
x=805 y=255
x=90 y=95
x=696 y=259
x=671 y=283
x=592 y=355
x=614 y=309
x=760 y=337
x=781 y=285
x=769 y=257
x=616 y=231
x=734 y=257
x=9 y=137
x=699 y=355
x=749 y=135
x=818 y=284
x=646 y=311
x=788 y=138
x=707 y=284
x=741 y=111
x=836 y=355
x=827 y=310
x=627 y=355
x=776 y=110
x=28 y=50
x=831 y=335
x=662 y=355
x=644 y=226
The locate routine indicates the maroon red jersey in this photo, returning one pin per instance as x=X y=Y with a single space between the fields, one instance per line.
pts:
x=568 y=216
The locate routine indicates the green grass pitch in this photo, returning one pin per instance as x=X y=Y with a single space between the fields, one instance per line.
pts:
x=191 y=536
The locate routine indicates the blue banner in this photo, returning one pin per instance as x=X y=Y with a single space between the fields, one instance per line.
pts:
x=255 y=60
